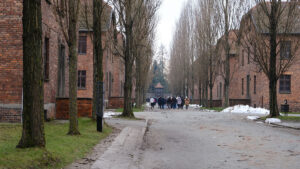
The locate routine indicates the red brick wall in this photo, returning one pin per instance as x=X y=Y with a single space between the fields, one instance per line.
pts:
x=11 y=53
x=116 y=102
x=261 y=97
x=84 y=106
x=10 y=115
x=85 y=62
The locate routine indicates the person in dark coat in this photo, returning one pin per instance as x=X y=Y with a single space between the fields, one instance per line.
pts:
x=163 y=102
x=169 y=102
x=159 y=102
x=174 y=102
x=182 y=102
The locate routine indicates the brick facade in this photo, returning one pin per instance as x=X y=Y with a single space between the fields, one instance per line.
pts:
x=56 y=86
x=11 y=61
x=249 y=85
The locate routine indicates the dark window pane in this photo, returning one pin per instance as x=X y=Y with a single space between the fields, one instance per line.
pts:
x=82 y=45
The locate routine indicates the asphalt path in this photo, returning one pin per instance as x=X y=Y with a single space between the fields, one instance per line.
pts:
x=190 y=139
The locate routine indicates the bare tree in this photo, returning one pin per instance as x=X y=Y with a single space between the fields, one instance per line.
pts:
x=208 y=33
x=270 y=41
x=67 y=12
x=33 y=105
x=129 y=14
x=230 y=13
x=143 y=47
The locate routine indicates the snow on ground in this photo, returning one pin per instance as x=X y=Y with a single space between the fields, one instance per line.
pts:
x=273 y=120
x=147 y=105
x=195 y=106
x=252 y=117
x=110 y=114
x=246 y=109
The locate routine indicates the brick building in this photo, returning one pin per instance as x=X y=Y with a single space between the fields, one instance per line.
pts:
x=248 y=84
x=113 y=65
x=55 y=64
x=11 y=66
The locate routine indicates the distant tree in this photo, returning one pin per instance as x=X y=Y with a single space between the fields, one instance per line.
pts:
x=129 y=14
x=158 y=76
x=33 y=103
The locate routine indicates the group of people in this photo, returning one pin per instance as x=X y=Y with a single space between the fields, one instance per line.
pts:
x=171 y=102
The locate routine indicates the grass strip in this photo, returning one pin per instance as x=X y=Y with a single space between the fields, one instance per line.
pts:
x=61 y=149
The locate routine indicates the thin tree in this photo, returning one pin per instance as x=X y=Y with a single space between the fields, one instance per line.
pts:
x=67 y=14
x=230 y=13
x=129 y=13
x=33 y=103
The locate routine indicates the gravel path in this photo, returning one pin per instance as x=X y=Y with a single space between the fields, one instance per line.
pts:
x=180 y=139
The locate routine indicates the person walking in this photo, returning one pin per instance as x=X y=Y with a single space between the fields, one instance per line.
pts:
x=163 y=102
x=186 y=102
x=174 y=102
x=179 y=102
x=169 y=102
x=182 y=102
x=152 y=103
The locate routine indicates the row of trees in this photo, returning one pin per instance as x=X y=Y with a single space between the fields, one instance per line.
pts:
x=195 y=52
x=136 y=21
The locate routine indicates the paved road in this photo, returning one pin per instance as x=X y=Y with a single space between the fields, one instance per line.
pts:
x=206 y=140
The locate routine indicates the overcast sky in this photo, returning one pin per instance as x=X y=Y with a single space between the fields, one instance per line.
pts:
x=168 y=13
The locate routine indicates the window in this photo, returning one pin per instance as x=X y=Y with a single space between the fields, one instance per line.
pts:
x=81 y=79
x=254 y=84
x=46 y=59
x=220 y=90
x=106 y=81
x=49 y=2
x=243 y=52
x=248 y=86
x=82 y=45
x=248 y=55
x=242 y=86
x=285 y=84
x=285 y=49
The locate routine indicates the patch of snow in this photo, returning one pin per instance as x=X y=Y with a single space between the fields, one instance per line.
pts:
x=110 y=114
x=195 y=106
x=273 y=120
x=246 y=109
x=252 y=117
x=147 y=105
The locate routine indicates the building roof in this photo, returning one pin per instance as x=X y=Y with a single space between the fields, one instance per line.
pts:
x=86 y=17
x=159 y=86
x=261 y=22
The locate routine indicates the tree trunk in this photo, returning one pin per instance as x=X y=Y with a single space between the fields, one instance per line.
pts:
x=138 y=89
x=210 y=96
x=128 y=111
x=98 y=65
x=200 y=93
x=227 y=63
x=72 y=43
x=33 y=103
x=272 y=72
x=211 y=85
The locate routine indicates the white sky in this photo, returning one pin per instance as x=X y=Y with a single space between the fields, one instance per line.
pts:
x=168 y=14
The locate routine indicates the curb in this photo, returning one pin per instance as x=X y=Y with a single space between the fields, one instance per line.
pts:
x=284 y=126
